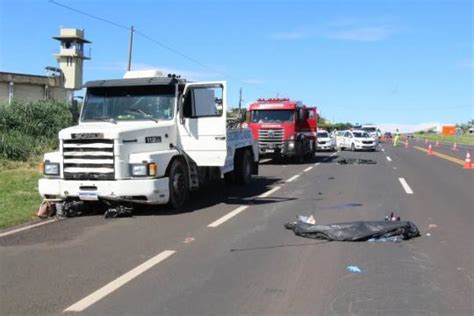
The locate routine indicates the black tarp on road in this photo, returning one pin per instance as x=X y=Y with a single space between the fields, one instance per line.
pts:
x=355 y=231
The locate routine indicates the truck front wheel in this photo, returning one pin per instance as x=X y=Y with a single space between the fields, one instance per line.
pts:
x=243 y=167
x=178 y=184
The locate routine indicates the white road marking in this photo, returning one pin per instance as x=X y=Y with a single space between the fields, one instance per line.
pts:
x=307 y=169
x=317 y=164
x=228 y=216
x=269 y=192
x=388 y=158
x=117 y=283
x=27 y=227
x=265 y=160
x=292 y=178
x=405 y=186
x=333 y=154
x=383 y=149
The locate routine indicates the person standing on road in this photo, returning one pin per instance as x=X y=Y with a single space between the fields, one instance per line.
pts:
x=396 y=138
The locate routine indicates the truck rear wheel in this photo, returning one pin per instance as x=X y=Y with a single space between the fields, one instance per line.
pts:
x=243 y=167
x=178 y=184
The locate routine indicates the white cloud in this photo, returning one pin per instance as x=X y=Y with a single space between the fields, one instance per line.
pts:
x=361 y=33
x=467 y=64
x=350 y=29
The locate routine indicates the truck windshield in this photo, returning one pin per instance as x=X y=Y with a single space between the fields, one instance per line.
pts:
x=129 y=103
x=272 y=116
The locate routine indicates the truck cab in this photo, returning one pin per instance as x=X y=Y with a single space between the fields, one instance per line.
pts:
x=148 y=140
x=284 y=128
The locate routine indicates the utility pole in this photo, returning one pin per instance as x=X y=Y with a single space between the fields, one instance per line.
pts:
x=240 y=104
x=130 y=45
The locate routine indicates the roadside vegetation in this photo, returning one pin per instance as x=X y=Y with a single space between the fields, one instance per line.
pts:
x=463 y=139
x=27 y=130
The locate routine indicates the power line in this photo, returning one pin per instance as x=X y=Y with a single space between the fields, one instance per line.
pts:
x=153 y=40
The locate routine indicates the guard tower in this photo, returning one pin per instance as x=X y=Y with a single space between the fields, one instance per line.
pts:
x=71 y=56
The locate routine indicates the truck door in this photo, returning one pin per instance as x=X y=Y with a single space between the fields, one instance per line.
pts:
x=202 y=127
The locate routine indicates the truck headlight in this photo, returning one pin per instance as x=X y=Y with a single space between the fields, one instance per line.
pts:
x=143 y=169
x=51 y=169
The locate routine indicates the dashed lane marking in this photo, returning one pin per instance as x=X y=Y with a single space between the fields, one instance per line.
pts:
x=119 y=282
x=265 y=160
x=405 y=186
x=228 y=216
x=14 y=231
x=307 y=169
x=388 y=158
x=292 y=178
x=383 y=149
x=269 y=192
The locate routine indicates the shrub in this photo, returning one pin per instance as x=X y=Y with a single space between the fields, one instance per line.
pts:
x=31 y=128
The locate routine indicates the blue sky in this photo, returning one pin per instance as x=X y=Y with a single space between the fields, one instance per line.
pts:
x=378 y=61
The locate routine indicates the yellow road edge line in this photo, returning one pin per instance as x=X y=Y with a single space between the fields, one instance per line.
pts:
x=440 y=155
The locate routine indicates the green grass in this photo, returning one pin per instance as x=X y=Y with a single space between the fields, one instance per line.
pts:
x=464 y=139
x=19 y=198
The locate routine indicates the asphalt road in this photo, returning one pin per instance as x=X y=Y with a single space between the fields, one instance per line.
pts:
x=249 y=264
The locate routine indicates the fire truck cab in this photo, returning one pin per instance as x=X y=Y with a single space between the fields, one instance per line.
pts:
x=284 y=128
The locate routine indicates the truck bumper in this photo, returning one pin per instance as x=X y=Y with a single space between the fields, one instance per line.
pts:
x=283 y=149
x=148 y=191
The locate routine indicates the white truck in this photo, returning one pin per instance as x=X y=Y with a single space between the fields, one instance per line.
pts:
x=148 y=140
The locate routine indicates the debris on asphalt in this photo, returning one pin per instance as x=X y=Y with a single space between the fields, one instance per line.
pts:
x=428 y=234
x=432 y=226
x=356 y=161
x=355 y=231
x=188 y=239
x=71 y=209
x=118 y=211
x=307 y=219
x=392 y=218
x=353 y=269
x=46 y=209
x=331 y=178
x=383 y=239
x=320 y=193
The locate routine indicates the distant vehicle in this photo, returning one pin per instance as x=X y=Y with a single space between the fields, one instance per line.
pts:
x=358 y=140
x=387 y=135
x=284 y=128
x=372 y=130
x=339 y=138
x=325 y=141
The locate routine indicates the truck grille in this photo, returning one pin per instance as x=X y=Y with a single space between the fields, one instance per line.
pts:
x=270 y=137
x=88 y=159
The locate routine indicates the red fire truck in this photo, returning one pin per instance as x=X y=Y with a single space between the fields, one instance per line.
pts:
x=284 y=128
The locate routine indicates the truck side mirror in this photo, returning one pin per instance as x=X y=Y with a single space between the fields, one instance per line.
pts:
x=301 y=114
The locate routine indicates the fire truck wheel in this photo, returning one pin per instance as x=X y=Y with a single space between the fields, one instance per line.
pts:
x=229 y=178
x=178 y=184
x=243 y=167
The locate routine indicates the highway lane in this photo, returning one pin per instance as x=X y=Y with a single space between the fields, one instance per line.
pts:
x=250 y=264
x=54 y=264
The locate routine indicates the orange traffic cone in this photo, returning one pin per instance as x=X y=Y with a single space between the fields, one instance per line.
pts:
x=455 y=147
x=406 y=143
x=467 y=162
x=437 y=144
x=430 y=150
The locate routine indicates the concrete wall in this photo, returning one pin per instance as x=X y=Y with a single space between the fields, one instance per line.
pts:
x=31 y=88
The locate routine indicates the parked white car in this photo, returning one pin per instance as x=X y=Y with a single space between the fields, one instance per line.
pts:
x=325 y=141
x=358 y=140
x=339 y=138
